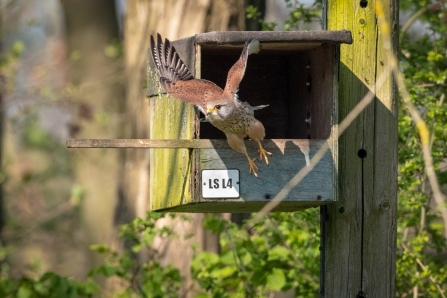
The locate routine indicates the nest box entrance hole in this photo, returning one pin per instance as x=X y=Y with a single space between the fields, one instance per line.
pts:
x=295 y=79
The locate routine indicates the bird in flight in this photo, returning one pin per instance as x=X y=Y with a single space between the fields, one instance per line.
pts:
x=222 y=108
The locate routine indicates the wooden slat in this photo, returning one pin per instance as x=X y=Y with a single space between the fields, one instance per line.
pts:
x=175 y=143
x=145 y=143
x=224 y=206
x=288 y=158
x=228 y=37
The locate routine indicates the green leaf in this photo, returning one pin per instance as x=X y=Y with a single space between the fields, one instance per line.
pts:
x=228 y=258
x=276 y=280
x=214 y=224
x=224 y=272
x=278 y=253
x=101 y=248
x=105 y=270
x=203 y=295
x=24 y=292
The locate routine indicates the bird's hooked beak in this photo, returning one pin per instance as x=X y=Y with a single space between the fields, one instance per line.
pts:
x=210 y=111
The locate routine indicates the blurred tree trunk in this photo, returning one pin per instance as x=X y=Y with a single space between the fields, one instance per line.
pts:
x=99 y=97
x=173 y=19
x=2 y=203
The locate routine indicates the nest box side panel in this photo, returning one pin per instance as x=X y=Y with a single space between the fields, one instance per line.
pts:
x=324 y=107
x=170 y=169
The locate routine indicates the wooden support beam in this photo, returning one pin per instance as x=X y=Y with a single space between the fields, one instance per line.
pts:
x=359 y=231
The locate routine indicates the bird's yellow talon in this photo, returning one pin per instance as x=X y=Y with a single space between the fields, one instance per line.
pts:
x=253 y=166
x=263 y=153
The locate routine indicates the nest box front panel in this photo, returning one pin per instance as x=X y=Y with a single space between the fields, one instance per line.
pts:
x=298 y=83
x=289 y=156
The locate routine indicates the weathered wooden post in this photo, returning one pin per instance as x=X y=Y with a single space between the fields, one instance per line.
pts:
x=359 y=231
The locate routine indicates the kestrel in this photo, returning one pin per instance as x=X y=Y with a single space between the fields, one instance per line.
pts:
x=222 y=108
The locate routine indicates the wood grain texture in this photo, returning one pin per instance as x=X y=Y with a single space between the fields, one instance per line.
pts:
x=289 y=157
x=179 y=143
x=360 y=229
x=380 y=173
x=170 y=168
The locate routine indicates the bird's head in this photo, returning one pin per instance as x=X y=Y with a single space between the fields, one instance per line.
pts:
x=219 y=109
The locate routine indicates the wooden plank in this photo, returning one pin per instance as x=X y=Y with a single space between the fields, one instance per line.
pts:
x=229 y=37
x=359 y=231
x=289 y=157
x=224 y=206
x=177 y=143
x=146 y=143
x=322 y=100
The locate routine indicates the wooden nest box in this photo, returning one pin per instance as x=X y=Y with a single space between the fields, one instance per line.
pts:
x=296 y=73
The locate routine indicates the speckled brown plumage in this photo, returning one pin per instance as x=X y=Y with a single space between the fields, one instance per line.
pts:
x=221 y=107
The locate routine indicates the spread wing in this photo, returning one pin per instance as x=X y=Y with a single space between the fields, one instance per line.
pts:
x=237 y=71
x=177 y=80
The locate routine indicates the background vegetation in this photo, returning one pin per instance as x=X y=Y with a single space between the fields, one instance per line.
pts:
x=280 y=254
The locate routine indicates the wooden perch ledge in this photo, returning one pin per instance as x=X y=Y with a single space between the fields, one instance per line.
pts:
x=193 y=144
x=143 y=143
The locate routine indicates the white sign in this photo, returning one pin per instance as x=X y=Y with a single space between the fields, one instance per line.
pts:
x=222 y=184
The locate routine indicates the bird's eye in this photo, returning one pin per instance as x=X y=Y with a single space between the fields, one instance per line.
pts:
x=217 y=107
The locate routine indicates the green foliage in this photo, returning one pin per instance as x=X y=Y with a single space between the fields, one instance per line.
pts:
x=421 y=243
x=49 y=285
x=275 y=255
x=35 y=139
x=253 y=13
x=13 y=54
x=302 y=13
x=299 y=13
x=140 y=279
x=114 y=49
